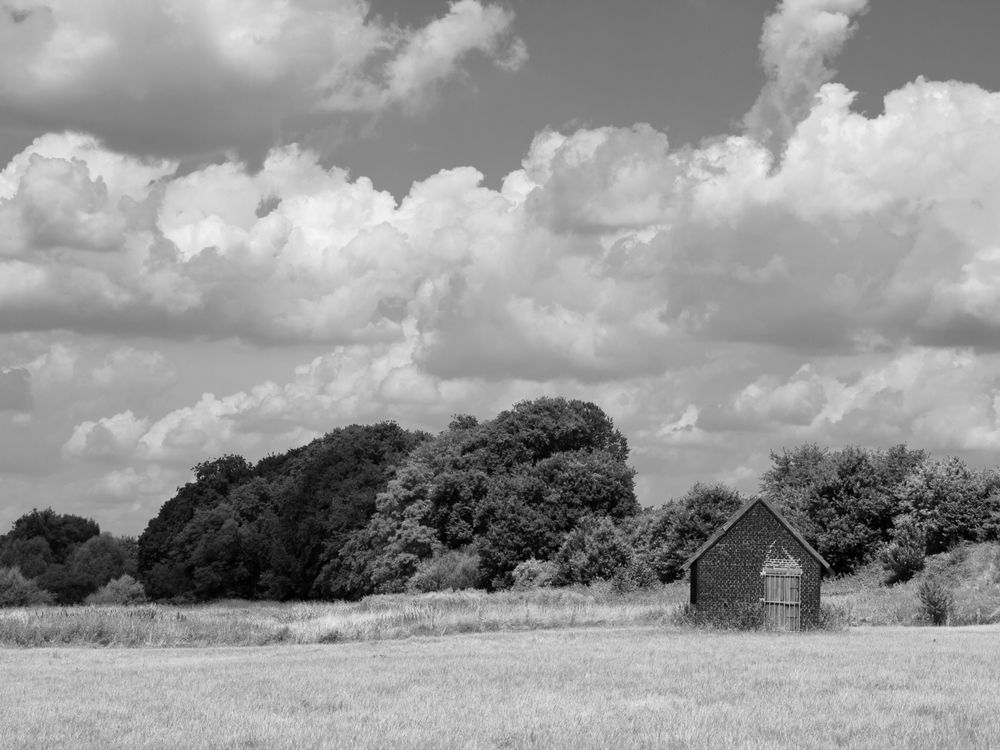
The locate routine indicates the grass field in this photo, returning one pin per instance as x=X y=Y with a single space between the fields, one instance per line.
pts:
x=652 y=687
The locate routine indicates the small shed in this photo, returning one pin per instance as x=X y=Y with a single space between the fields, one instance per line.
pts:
x=757 y=559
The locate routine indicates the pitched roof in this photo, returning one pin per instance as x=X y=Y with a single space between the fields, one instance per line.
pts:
x=742 y=512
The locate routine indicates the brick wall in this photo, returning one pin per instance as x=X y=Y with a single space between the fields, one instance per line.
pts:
x=728 y=574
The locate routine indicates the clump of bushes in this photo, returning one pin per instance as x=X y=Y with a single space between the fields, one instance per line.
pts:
x=122 y=590
x=597 y=550
x=533 y=574
x=451 y=570
x=18 y=591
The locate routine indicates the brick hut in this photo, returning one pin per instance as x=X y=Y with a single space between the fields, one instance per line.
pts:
x=757 y=559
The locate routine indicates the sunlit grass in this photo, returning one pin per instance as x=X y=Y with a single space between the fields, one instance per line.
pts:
x=652 y=687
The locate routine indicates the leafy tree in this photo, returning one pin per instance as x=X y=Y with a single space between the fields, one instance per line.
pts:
x=903 y=557
x=99 y=559
x=511 y=487
x=268 y=531
x=595 y=549
x=31 y=556
x=18 y=591
x=951 y=503
x=61 y=532
x=164 y=565
x=844 y=502
x=66 y=585
x=666 y=537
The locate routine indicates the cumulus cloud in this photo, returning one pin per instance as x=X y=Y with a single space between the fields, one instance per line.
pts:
x=187 y=77
x=798 y=43
x=716 y=301
x=107 y=438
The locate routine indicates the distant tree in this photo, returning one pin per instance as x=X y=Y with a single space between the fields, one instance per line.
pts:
x=31 y=556
x=904 y=555
x=666 y=537
x=18 y=591
x=510 y=487
x=595 y=549
x=61 y=532
x=270 y=530
x=951 y=503
x=66 y=585
x=99 y=559
x=844 y=502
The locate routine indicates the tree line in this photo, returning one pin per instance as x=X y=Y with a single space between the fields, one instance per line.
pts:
x=542 y=494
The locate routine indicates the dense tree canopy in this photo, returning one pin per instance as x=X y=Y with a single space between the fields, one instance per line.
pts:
x=64 y=555
x=509 y=489
x=266 y=531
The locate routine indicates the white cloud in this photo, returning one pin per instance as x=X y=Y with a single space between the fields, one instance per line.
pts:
x=796 y=46
x=183 y=76
x=108 y=438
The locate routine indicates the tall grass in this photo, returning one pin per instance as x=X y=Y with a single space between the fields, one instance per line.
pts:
x=374 y=618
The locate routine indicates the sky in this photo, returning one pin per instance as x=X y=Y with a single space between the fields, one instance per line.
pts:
x=736 y=225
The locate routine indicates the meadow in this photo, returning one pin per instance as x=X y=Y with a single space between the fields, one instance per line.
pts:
x=547 y=668
x=635 y=687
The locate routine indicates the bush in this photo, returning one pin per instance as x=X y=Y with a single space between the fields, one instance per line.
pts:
x=936 y=600
x=595 y=549
x=533 y=574
x=637 y=574
x=18 y=591
x=454 y=569
x=903 y=557
x=122 y=590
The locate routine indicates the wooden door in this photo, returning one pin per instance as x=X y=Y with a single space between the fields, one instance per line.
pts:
x=782 y=599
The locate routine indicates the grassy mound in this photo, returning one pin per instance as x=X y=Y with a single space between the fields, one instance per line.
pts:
x=969 y=573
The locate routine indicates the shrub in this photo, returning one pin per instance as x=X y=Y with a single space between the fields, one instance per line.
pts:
x=454 y=569
x=936 y=600
x=122 y=590
x=18 y=591
x=637 y=574
x=595 y=549
x=903 y=557
x=533 y=574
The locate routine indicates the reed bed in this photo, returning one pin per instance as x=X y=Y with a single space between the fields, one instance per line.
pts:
x=236 y=623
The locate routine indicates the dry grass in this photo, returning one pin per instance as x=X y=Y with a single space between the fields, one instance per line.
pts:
x=374 y=618
x=639 y=687
x=972 y=573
